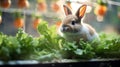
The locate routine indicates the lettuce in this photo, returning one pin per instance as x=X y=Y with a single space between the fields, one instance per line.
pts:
x=50 y=46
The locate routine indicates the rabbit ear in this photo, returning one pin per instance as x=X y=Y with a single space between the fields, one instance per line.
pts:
x=67 y=10
x=81 y=11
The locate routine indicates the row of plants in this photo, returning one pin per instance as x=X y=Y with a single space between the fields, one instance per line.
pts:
x=50 y=46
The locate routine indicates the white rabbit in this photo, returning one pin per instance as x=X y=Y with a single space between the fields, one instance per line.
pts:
x=72 y=29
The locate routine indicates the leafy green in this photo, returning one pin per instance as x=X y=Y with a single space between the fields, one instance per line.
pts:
x=50 y=46
x=109 y=46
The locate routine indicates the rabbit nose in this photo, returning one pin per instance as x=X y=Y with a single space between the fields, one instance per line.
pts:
x=65 y=27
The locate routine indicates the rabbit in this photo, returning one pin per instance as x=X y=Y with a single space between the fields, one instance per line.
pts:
x=73 y=29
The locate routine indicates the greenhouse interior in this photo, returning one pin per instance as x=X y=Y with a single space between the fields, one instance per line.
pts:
x=60 y=33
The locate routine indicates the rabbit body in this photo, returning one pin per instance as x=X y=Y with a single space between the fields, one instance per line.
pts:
x=83 y=31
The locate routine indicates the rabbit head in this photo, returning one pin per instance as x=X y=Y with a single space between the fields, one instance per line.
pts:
x=72 y=23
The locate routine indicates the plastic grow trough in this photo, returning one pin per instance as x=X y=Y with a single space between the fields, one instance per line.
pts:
x=64 y=63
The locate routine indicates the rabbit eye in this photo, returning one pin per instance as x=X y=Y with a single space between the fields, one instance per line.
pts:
x=73 y=22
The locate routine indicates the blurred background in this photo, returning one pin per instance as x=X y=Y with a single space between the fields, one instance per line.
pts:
x=103 y=15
